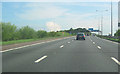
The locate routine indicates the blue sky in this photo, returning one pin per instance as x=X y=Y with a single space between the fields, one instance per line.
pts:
x=53 y=16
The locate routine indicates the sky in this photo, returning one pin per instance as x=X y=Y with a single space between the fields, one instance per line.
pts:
x=55 y=16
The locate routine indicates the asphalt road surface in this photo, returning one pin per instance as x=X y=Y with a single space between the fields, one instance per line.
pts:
x=66 y=55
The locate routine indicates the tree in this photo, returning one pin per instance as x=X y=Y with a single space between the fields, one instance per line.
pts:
x=75 y=31
x=8 y=31
x=52 y=34
x=117 y=33
x=27 y=33
x=41 y=34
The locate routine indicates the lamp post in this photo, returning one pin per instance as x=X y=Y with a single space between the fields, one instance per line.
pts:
x=101 y=21
x=111 y=20
x=98 y=25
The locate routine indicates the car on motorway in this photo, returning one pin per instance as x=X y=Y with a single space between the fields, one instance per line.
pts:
x=80 y=36
x=87 y=34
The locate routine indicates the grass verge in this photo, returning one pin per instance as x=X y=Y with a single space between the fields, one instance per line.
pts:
x=27 y=40
x=111 y=39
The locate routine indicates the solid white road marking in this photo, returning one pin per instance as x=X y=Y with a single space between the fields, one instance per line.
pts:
x=93 y=42
x=61 y=46
x=114 y=59
x=15 y=48
x=31 y=45
x=40 y=59
x=99 y=47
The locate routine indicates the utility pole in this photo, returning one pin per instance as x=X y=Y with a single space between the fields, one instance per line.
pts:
x=111 y=21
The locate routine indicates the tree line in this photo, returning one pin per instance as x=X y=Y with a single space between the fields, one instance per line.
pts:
x=75 y=31
x=11 y=32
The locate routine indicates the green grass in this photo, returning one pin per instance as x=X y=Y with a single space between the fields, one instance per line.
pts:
x=17 y=41
x=28 y=40
x=112 y=39
x=0 y=43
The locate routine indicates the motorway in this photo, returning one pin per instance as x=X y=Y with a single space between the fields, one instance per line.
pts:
x=65 y=55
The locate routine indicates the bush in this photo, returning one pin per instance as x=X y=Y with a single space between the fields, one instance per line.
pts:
x=52 y=34
x=27 y=33
x=8 y=31
x=41 y=34
x=117 y=33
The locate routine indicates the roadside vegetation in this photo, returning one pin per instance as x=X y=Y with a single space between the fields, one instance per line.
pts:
x=11 y=34
x=117 y=34
x=115 y=38
x=75 y=31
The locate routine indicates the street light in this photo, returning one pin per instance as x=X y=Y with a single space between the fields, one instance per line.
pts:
x=111 y=20
x=98 y=25
x=101 y=21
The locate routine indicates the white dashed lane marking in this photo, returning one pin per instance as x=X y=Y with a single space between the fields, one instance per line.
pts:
x=114 y=59
x=68 y=42
x=99 y=47
x=41 y=59
x=61 y=46
x=93 y=42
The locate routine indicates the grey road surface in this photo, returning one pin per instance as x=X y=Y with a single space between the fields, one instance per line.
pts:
x=66 y=55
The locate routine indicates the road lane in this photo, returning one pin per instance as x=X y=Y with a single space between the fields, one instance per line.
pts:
x=76 y=56
x=26 y=56
x=108 y=48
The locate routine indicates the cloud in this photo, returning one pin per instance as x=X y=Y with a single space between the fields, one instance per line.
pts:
x=53 y=26
x=39 y=11
x=63 y=16
x=86 y=21
x=76 y=20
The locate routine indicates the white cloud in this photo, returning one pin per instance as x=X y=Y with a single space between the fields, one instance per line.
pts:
x=53 y=26
x=87 y=21
x=39 y=11
x=76 y=20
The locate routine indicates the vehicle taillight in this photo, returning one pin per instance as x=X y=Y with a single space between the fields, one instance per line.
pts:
x=84 y=35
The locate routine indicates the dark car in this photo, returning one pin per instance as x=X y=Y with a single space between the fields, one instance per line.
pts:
x=80 y=36
x=87 y=34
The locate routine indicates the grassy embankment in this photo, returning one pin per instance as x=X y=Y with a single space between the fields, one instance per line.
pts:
x=111 y=39
x=30 y=40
